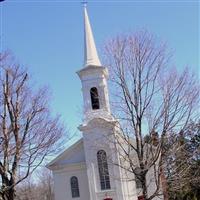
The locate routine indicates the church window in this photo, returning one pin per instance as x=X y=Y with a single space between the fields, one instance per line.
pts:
x=103 y=170
x=74 y=187
x=94 y=98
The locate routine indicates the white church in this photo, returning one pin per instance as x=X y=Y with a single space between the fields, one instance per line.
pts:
x=85 y=171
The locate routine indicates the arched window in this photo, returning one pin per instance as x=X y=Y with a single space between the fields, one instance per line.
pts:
x=74 y=187
x=94 y=98
x=103 y=170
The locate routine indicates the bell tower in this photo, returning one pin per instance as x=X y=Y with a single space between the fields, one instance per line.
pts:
x=93 y=78
x=98 y=126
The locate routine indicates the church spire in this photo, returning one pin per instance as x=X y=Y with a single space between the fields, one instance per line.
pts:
x=90 y=52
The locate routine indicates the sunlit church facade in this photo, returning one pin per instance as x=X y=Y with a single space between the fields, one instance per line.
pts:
x=85 y=171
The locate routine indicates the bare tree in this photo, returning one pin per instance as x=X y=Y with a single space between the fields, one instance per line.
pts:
x=151 y=100
x=27 y=190
x=183 y=163
x=37 y=187
x=28 y=132
x=45 y=185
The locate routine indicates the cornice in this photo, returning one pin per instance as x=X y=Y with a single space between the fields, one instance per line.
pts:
x=91 y=70
x=68 y=167
x=98 y=123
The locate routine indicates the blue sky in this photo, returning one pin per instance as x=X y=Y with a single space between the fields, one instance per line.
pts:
x=47 y=38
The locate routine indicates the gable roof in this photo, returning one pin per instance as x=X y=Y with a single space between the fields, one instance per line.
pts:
x=72 y=155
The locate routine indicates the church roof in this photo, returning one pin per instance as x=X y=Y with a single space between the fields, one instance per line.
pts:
x=90 y=52
x=72 y=155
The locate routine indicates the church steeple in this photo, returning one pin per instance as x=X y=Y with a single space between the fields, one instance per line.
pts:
x=93 y=78
x=90 y=52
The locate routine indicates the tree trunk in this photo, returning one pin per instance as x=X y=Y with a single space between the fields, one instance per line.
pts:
x=11 y=194
x=144 y=187
x=7 y=194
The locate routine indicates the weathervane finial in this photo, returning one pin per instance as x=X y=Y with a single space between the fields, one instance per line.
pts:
x=84 y=3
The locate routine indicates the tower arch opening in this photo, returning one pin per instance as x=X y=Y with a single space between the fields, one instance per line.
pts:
x=94 y=98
